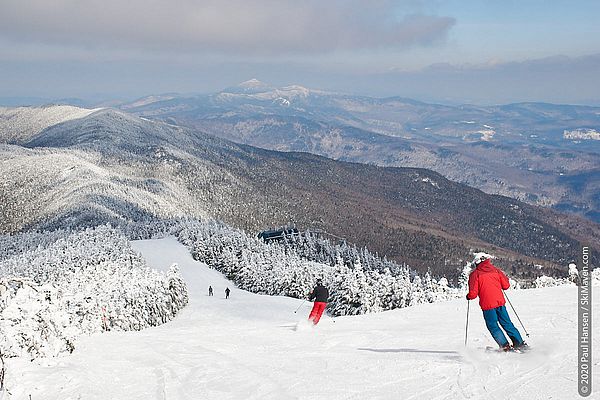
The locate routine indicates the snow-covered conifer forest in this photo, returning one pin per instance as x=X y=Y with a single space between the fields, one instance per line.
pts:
x=360 y=281
x=56 y=286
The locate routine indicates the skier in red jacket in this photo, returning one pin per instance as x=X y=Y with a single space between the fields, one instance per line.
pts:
x=488 y=282
x=320 y=295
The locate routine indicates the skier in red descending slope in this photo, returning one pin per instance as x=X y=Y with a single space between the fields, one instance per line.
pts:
x=488 y=282
x=320 y=294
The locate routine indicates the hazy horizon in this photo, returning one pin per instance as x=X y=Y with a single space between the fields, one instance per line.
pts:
x=451 y=52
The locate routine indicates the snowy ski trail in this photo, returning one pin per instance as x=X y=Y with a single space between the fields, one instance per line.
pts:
x=254 y=347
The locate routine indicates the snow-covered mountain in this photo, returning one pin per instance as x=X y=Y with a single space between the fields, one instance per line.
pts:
x=256 y=90
x=18 y=125
x=516 y=150
x=144 y=101
x=249 y=87
x=110 y=164
x=114 y=167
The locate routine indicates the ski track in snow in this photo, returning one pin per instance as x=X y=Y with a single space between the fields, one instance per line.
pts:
x=254 y=347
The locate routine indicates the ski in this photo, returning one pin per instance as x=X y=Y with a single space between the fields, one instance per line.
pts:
x=490 y=349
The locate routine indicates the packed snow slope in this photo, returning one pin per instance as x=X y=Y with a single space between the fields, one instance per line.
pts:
x=254 y=347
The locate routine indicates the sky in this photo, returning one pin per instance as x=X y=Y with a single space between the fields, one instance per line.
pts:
x=455 y=51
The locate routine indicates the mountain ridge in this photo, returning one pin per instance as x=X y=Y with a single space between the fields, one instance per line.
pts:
x=115 y=167
x=519 y=150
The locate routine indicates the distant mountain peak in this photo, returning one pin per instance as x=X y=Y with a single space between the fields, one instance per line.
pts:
x=144 y=101
x=251 y=86
x=258 y=90
x=253 y=83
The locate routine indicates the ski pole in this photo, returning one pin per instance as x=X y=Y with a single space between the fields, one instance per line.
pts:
x=511 y=306
x=467 y=325
x=2 y=371
x=301 y=304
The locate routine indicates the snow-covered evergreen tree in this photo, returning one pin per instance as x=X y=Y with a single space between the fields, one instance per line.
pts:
x=76 y=283
x=359 y=281
x=596 y=277
x=548 y=281
x=463 y=280
x=573 y=273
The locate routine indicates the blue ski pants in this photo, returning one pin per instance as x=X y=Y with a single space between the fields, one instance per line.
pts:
x=500 y=315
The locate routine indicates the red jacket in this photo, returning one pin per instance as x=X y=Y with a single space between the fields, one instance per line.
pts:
x=487 y=282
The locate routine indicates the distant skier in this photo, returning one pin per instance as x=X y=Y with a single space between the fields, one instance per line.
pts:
x=210 y=291
x=487 y=282
x=227 y=291
x=320 y=294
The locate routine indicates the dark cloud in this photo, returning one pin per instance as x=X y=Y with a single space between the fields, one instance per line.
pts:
x=222 y=26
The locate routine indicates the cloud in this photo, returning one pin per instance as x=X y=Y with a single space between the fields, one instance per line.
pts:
x=554 y=79
x=558 y=79
x=222 y=26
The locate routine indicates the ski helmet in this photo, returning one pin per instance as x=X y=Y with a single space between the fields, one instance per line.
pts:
x=480 y=257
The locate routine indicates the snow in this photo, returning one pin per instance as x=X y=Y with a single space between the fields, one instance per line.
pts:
x=84 y=282
x=430 y=181
x=252 y=83
x=585 y=134
x=23 y=123
x=254 y=89
x=144 y=101
x=254 y=347
x=487 y=134
x=283 y=102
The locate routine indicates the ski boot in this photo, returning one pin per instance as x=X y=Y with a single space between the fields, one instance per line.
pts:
x=506 y=348
x=521 y=346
